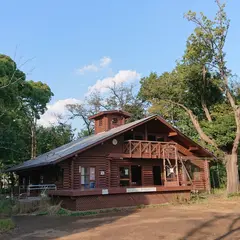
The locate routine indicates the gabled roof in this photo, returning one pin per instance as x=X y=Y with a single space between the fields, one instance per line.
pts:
x=82 y=144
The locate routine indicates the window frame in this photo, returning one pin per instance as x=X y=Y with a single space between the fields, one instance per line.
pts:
x=87 y=177
x=125 y=178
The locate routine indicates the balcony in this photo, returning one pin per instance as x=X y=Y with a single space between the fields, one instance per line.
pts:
x=149 y=149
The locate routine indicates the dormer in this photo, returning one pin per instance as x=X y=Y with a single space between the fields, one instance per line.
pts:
x=107 y=120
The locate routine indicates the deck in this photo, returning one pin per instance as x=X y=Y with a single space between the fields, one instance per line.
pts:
x=118 y=190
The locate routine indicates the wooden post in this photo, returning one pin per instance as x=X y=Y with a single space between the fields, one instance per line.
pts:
x=145 y=132
x=164 y=171
x=72 y=174
x=140 y=150
x=130 y=148
x=176 y=163
x=184 y=175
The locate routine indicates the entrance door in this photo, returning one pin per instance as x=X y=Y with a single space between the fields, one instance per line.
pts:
x=136 y=172
x=157 y=175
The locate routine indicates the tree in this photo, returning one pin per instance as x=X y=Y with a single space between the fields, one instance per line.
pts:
x=52 y=137
x=22 y=102
x=200 y=86
x=118 y=97
x=213 y=34
x=36 y=95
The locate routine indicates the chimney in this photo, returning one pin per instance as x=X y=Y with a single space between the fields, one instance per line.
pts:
x=107 y=120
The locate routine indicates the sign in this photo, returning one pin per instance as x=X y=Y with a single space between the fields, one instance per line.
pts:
x=104 y=191
x=102 y=173
x=147 y=189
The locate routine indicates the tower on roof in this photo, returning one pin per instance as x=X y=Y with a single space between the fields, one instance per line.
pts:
x=107 y=120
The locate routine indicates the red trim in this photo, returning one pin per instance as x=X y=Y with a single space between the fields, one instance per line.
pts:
x=117 y=190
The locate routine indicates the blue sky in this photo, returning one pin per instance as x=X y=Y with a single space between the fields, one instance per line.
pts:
x=135 y=37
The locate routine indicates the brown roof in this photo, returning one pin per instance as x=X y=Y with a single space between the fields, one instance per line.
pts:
x=85 y=143
x=120 y=112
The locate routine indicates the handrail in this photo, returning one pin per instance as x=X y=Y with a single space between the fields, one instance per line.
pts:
x=146 y=141
x=41 y=187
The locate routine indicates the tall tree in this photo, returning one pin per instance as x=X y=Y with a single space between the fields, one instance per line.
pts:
x=200 y=86
x=35 y=98
x=53 y=137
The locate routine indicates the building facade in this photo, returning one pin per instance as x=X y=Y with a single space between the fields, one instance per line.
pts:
x=123 y=164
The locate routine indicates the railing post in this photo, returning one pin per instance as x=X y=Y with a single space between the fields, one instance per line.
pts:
x=130 y=148
x=140 y=149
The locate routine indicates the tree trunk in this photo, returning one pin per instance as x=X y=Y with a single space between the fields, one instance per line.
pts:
x=205 y=109
x=33 y=140
x=232 y=172
x=203 y=102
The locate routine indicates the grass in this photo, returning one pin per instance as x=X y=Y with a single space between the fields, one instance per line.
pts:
x=6 y=224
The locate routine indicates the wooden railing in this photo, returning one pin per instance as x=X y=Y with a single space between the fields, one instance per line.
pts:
x=149 y=149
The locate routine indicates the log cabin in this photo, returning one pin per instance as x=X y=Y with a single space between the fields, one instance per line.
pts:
x=147 y=161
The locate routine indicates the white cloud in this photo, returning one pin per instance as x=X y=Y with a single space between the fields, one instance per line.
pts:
x=103 y=63
x=121 y=77
x=55 y=109
x=88 y=68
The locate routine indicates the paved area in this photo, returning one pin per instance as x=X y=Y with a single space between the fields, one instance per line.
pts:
x=215 y=219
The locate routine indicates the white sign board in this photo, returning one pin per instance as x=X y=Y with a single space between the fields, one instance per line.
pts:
x=104 y=191
x=147 y=189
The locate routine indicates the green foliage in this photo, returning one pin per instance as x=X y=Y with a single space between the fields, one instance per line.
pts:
x=232 y=195
x=21 y=104
x=6 y=207
x=62 y=212
x=193 y=95
x=223 y=127
x=53 y=137
x=87 y=213
x=36 y=95
x=218 y=175
x=6 y=224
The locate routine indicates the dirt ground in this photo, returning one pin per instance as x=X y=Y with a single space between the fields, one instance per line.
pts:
x=214 y=219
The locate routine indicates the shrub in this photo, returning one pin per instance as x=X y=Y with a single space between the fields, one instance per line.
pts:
x=6 y=224
x=6 y=207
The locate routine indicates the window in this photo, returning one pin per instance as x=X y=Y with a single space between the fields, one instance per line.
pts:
x=124 y=176
x=100 y=122
x=114 y=120
x=88 y=178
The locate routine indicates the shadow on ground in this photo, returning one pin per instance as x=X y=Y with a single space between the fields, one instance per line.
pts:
x=229 y=224
x=212 y=221
x=52 y=227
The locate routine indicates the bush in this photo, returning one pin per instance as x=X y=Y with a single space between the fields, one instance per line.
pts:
x=6 y=224
x=6 y=207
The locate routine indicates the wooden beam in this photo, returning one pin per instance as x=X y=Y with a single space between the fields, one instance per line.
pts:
x=172 y=134
x=193 y=149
